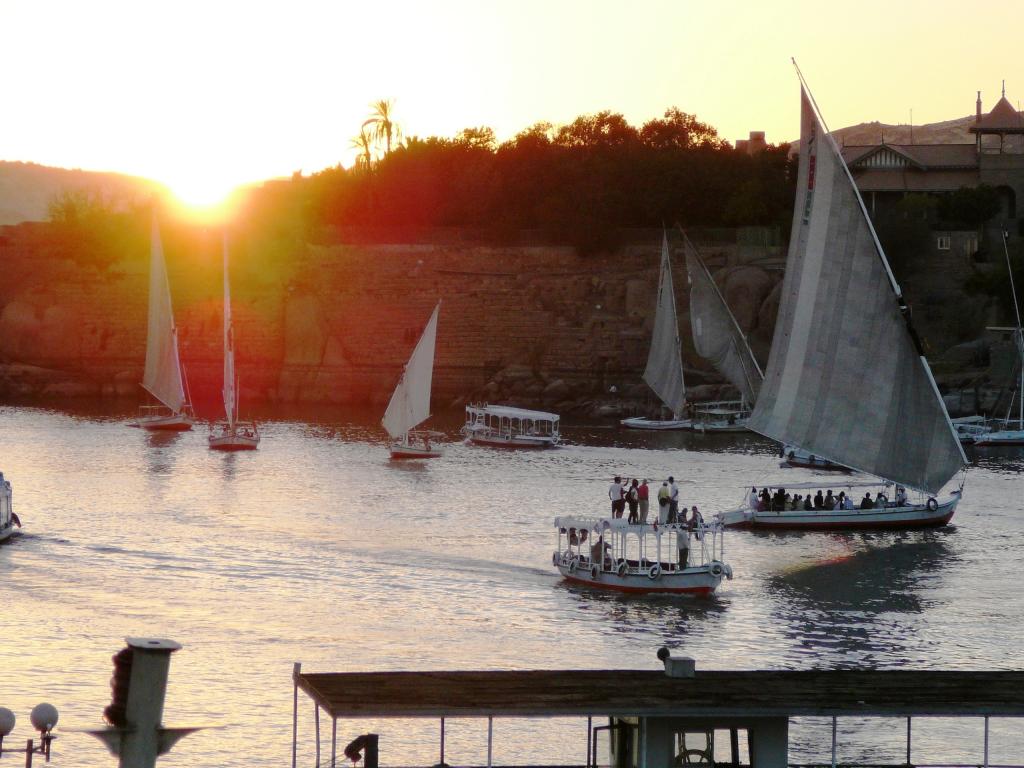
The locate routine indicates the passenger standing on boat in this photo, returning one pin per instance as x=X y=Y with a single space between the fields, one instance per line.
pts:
x=644 y=495
x=673 y=500
x=683 y=541
x=696 y=521
x=819 y=501
x=752 y=499
x=830 y=502
x=808 y=506
x=615 y=494
x=866 y=502
x=664 y=495
x=633 y=499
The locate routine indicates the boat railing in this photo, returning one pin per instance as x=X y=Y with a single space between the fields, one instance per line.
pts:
x=578 y=536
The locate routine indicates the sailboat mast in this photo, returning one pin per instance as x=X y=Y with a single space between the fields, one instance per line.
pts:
x=230 y=397
x=904 y=309
x=1019 y=333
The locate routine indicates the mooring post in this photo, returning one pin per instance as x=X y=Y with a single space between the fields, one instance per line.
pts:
x=490 y=740
x=334 y=741
x=442 y=743
x=296 y=670
x=986 y=741
x=316 y=720
x=833 y=741
x=908 y=742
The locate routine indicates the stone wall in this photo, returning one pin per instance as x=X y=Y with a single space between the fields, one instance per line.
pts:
x=336 y=324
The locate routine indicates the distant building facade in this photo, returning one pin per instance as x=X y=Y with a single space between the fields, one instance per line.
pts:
x=753 y=145
x=887 y=173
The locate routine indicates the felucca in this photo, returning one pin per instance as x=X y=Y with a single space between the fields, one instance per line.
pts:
x=231 y=435
x=163 y=377
x=410 y=403
x=664 y=370
x=847 y=378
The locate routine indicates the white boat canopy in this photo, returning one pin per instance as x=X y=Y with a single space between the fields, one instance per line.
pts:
x=508 y=412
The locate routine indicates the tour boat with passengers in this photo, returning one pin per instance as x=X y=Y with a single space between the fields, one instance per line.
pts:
x=8 y=520
x=886 y=507
x=613 y=554
x=502 y=426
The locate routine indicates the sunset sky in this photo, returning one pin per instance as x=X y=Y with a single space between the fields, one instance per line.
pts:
x=205 y=95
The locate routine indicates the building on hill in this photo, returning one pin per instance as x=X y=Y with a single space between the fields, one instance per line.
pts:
x=888 y=173
x=754 y=145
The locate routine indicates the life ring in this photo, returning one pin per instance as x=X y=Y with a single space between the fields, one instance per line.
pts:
x=622 y=567
x=716 y=569
x=654 y=571
x=574 y=564
x=595 y=571
x=932 y=504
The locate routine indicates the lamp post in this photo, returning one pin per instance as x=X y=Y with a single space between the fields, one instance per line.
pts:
x=44 y=718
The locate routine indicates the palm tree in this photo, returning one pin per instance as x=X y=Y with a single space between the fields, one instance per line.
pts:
x=382 y=126
x=362 y=143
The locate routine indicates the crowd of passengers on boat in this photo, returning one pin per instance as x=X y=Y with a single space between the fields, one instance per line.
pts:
x=780 y=501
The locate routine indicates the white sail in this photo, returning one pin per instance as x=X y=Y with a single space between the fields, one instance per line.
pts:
x=846 y=377
x=664 y=371
x=410 y=402
x=717 y=336
x=162 y=377
x=229 y=391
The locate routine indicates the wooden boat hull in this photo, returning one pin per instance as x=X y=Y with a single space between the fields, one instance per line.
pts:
x=173 y=422
x=698 y=581
x=1002 y=437
x=411 y=452
x=639 y=422
x=492 y=441
x=910 y=516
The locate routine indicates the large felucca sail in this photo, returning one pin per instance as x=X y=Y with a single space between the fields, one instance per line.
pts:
x=163 y=377
x=664 y=371
x=847 y=379
x=717 y=336
x=410 y=403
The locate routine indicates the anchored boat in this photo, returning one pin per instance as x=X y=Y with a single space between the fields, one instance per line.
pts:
x=163 y=377
x=664 y=370
x=612 y=554
x=8 y=520
x=410 y=403
x=847 y=379
x=231 y=435
x=502 y=426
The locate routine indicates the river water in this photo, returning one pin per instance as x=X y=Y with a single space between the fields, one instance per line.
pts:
x=317 y=549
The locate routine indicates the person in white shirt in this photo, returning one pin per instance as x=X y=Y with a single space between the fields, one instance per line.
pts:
x=752 y=499
x=615 y=494
x=901 y=496
x=673 y=500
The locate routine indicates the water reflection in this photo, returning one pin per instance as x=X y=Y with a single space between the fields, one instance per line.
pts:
x=858 y=603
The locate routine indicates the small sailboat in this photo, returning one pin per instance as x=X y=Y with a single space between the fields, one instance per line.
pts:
x=664 y=370
x=1010 y=434
x=163 y=377
x=847 y=379
x=410 y=403
x=8 y=519
x=231 y=435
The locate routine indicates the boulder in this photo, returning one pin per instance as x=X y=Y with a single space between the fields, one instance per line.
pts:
x=745 y=289
x=556 y=390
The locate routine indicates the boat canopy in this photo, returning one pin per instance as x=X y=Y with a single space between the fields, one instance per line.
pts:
x=508 y=412
x=829 y=483
x=846 y=379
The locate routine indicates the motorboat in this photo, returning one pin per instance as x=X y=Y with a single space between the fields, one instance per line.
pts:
x=613 y=554
x=502 y=426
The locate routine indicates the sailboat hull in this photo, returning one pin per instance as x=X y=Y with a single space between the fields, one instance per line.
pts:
x=640 y=422
x=235 y=439
x=1003 y=437
x=175 y=422
x=399 y=451
x=910 y=516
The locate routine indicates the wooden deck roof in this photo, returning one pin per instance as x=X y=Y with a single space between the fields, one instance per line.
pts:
x=644 y=692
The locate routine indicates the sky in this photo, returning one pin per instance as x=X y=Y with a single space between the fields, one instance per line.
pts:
x=206 y=95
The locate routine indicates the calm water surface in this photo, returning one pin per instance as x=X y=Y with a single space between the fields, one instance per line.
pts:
x=318 y=549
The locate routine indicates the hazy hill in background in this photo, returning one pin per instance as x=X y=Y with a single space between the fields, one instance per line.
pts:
x=27 y=188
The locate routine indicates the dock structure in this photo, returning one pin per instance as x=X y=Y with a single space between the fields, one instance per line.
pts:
x=667 y=719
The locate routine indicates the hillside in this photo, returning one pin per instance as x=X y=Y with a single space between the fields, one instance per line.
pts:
x=27 y=188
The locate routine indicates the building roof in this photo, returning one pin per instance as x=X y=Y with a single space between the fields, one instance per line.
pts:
x=924 y=157
x=1002 y=119
x=584 y=692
